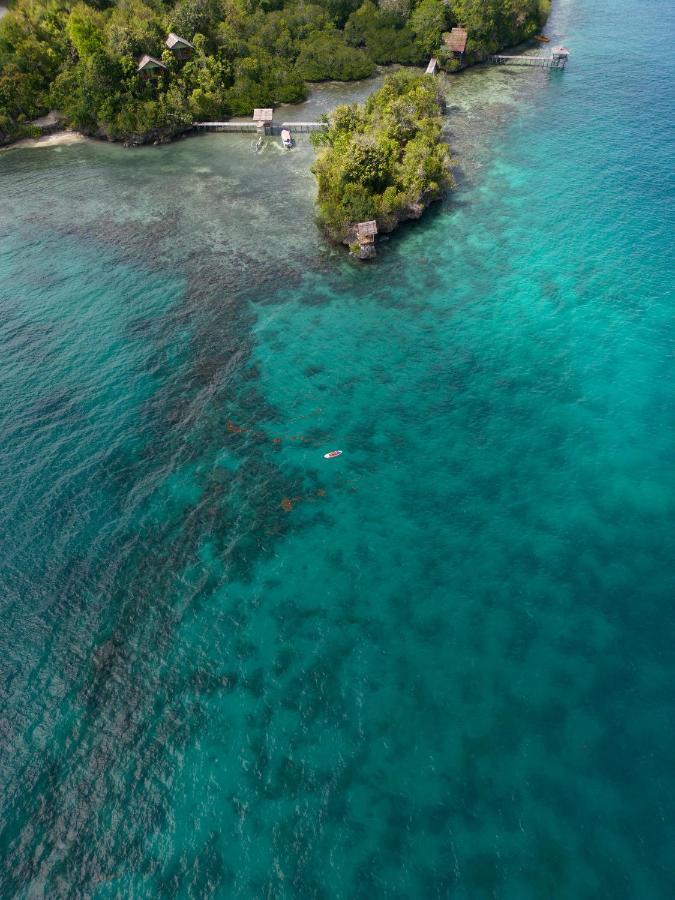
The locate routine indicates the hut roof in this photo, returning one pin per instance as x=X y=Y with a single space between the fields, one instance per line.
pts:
x=366 y=229
x=560 y=51
x=149 y=62
x=455 y=40
x=263 y=115
x=433 y=65
x=175 y=40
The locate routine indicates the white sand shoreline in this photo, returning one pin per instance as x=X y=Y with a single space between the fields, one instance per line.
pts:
x=61 y=138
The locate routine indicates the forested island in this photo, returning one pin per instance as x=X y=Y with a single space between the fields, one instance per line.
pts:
x=381 y=163
x=113 y=69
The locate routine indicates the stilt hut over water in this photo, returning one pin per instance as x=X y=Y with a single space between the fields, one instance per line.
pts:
x=560 y=56
x=366 y=232
x=365 y=235
x=180 y=48
x=455 y=42
x=263 y=120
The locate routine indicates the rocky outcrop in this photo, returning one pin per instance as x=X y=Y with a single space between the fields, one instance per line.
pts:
x=153 y=136
x=363 y=251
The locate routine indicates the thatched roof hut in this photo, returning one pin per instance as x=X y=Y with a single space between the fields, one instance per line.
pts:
x=455 y=40
x=263 y=120
x=148 y=65
x=176 y=41
x=179 y=46
x=366 y=231
x=263 y=116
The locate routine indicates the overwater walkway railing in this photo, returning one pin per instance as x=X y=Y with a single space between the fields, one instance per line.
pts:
x=253 y=128
x=557 y=59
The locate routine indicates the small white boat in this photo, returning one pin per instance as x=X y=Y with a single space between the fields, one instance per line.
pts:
x=332 y=454
x=286 y=139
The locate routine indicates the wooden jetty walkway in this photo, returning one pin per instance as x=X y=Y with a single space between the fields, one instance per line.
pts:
x=249 y=127
x=253 y=128
x=557 y=59
x=300 y=127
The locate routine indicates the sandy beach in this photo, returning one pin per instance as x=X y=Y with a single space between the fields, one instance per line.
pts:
x=49 y=140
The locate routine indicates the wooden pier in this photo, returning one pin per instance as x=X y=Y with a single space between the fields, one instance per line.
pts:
x=557 y=59
x=300 y=127
x=232 y=127
x=253 y=127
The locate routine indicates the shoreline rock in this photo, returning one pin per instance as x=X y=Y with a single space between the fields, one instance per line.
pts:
x=155 y=136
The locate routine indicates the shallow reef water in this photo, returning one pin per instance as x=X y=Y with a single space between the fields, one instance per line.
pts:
x=439 y=665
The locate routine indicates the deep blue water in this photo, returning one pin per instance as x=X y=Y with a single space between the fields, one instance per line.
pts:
x=439 y=666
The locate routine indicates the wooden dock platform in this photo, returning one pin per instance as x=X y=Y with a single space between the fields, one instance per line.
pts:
x=252 y=127
x=301 y=127
x=557 y=59
x=232 y=127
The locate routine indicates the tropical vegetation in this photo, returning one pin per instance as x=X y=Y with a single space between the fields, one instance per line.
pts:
x=384 y=160
x=82 y=57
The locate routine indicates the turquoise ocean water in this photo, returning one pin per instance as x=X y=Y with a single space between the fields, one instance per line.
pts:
x=440 y=666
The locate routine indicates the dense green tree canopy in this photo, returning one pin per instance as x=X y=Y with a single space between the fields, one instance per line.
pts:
x=81 y=55
x=384 y=159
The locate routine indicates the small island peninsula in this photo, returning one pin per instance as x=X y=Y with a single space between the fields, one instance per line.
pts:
x=381 y=163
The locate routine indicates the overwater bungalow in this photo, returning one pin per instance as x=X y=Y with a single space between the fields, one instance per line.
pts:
x=149 y=67
x=180 y=48
x=560 y=55
x=366 y=232
x=365 y=236
x=263 y=120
